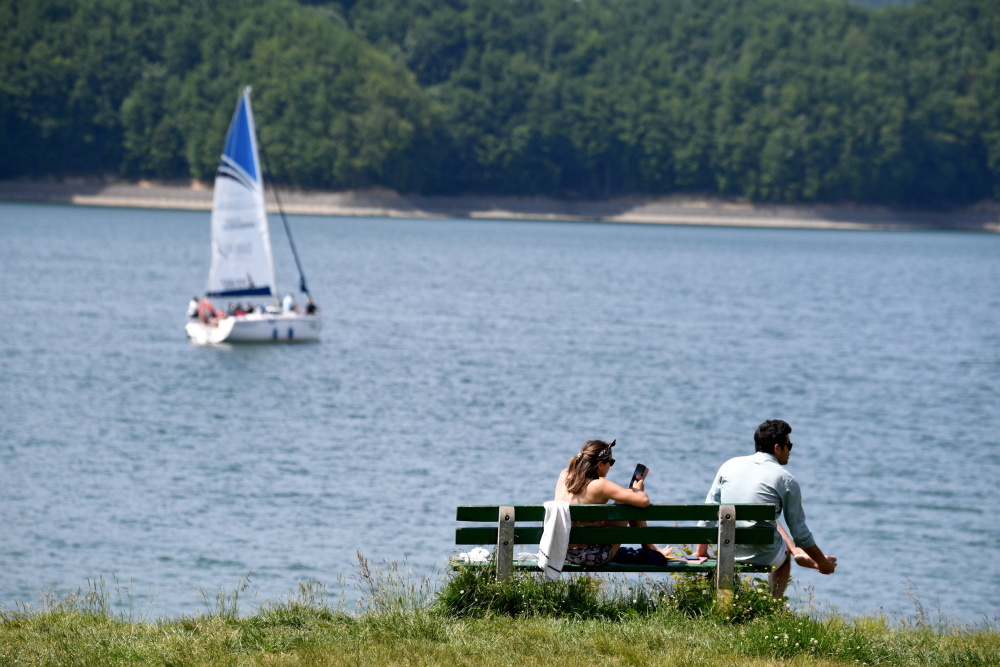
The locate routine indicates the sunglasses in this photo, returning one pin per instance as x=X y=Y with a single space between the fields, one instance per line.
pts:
x=610 y=462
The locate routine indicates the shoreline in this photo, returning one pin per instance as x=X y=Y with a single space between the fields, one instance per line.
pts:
x=674 y=210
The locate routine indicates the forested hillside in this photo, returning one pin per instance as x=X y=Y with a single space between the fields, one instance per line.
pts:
x=774 y=100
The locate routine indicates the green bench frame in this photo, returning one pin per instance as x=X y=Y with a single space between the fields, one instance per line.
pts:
x=509 y=528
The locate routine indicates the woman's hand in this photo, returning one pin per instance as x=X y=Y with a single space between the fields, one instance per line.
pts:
x=639 y=485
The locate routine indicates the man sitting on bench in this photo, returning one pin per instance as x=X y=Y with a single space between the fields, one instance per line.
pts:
x=762 y=478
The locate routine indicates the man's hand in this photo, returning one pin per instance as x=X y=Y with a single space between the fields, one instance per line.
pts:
x=823 y=563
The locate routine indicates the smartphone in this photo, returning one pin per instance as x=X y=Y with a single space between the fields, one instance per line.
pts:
x=640 y=473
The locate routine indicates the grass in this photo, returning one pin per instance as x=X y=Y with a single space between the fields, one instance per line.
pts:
x=471 y=619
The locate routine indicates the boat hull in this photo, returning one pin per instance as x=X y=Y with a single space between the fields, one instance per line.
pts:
x=257 y=328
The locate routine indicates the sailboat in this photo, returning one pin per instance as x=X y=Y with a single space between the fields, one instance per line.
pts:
x=242 y=262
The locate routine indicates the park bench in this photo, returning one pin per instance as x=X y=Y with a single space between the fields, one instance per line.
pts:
x=521 y=524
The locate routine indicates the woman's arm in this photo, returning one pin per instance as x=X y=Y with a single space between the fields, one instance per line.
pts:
x=634 y=496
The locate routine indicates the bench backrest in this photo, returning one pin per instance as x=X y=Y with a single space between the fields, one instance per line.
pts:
x=525 y=515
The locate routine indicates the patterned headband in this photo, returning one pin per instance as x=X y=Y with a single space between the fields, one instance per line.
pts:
x=604 y=453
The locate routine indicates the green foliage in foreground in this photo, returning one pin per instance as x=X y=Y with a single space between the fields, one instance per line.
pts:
x=580 y=621
x=474 y=591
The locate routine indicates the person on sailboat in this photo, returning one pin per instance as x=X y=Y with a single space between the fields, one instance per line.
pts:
x=288 y=304
x=311 y=308
x=207 y=313
x=193 y=308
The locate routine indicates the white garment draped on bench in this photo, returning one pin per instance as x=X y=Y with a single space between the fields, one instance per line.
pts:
x=555 y=538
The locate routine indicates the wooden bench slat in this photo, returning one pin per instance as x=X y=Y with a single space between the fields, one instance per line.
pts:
x=484 y=535
x=666 y=535
x=589 y=535
x=672 y=566
x=666 y=512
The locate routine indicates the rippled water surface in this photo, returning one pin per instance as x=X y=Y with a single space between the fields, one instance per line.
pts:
x=464 y=362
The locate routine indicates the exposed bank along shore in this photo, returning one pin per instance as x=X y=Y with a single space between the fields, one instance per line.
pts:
x=386 y=203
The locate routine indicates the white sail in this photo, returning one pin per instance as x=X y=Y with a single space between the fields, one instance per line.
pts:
x=242 y=263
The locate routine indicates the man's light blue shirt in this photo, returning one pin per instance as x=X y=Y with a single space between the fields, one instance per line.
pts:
x=759 y=478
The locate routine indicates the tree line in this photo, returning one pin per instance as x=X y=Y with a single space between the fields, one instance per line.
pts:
x=772 y=100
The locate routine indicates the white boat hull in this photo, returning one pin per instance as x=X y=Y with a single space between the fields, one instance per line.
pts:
x=257 y=328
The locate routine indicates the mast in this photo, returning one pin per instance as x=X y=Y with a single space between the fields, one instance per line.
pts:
x=284 y=221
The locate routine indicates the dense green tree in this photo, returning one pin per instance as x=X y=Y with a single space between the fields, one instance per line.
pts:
x=147 y=88
x=773 y=100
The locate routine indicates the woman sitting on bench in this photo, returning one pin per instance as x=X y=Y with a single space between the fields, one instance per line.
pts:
x=584 y=482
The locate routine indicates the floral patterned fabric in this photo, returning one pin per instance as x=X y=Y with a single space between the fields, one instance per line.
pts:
x=591 y=555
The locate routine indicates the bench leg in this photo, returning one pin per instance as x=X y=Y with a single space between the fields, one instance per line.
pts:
x=505 y=543
x=726 y=558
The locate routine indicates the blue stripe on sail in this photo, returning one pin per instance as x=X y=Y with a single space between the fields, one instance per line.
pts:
x=225 y=171
x=239 y=145
x=254 y=291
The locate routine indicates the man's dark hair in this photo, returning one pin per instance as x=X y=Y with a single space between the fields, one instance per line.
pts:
x=770 y=433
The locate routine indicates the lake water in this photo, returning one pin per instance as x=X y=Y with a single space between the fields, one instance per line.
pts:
x=464 y=362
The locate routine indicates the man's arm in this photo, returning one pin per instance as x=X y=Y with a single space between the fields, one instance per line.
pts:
x=812 y=557
x=802 y=538
x=795 y=517
x=823 y=564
